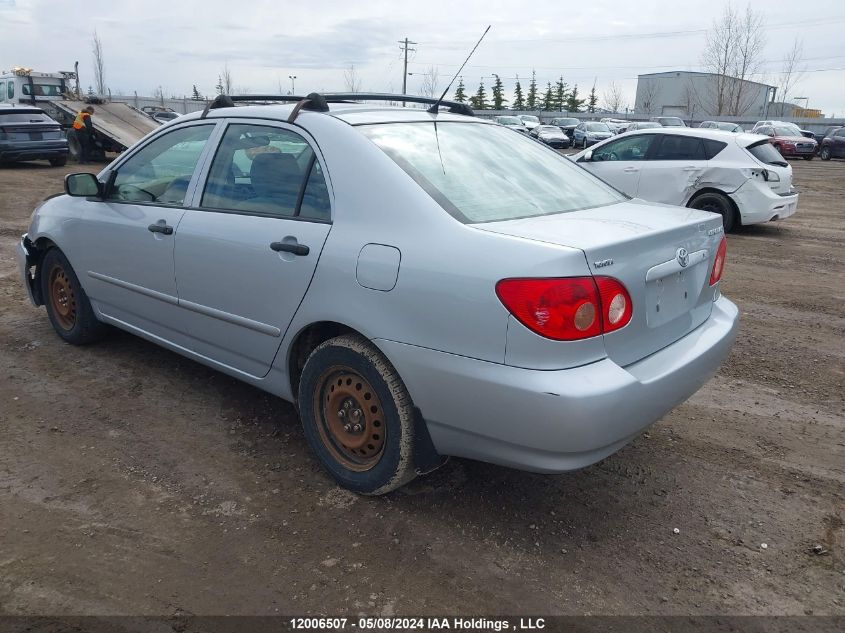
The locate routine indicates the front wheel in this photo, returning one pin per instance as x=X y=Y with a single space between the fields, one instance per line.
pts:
x=585 y=142
x=716 y=203
x=357 y=416
x=825 y=153
x=67 y=305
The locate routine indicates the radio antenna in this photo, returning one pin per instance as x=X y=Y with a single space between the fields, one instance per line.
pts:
x=433 y=109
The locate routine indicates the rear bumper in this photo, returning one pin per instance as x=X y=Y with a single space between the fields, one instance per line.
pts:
x=34 y=150
x=555 y=421
x=758 y=203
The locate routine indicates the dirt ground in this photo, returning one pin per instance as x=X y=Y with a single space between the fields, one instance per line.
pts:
x=133 y=481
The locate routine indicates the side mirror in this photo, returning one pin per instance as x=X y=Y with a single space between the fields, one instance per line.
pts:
x=82 y=185
x=587 y=157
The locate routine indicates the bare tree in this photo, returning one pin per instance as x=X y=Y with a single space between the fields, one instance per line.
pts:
x=99 y=64
x=733 y=54
x=690 y=100
x=226 y=84
x=352 y=79
x=792 y=73
x=429 y=82
x=614 y=100
x=650 y=96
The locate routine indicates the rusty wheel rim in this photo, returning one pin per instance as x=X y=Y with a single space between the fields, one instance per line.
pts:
x=350 y=419
x=62 y=298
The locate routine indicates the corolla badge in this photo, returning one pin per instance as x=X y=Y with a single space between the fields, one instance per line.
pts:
x=682 y=256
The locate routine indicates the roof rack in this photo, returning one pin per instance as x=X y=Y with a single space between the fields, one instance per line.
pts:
x=319 y=102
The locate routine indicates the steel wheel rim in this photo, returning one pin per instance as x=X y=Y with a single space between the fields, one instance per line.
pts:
x=62 y=298
x=712 y=206
x=350 y=418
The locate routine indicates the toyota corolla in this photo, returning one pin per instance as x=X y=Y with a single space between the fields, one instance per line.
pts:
x=420 y=283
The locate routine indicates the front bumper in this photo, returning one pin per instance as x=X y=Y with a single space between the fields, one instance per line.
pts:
x=758 y=203
x=555 y=421
x=27 y=261
x=798 y=151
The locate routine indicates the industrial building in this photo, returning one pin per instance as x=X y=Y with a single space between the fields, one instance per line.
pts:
x=701 y=95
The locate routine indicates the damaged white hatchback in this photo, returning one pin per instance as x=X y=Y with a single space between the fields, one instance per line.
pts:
x=742 y=177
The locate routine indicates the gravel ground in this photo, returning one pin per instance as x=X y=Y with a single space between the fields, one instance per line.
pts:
x=133 y=481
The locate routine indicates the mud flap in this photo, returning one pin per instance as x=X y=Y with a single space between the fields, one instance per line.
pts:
x=426 y=457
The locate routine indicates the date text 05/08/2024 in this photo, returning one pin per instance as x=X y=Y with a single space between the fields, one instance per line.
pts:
x=419 y=624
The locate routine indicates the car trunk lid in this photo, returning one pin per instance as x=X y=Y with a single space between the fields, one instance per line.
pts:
x=662 y=254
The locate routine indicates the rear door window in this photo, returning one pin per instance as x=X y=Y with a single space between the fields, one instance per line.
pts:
x=712 y=147
x=671 y=147
x=266 y=170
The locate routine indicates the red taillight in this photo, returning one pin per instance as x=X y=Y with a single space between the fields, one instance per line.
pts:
x=569 y=308
x=616 y=303
x=719 y=262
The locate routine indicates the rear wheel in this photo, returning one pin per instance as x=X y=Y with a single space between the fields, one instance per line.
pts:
x=357 y=416
x=67 y=304
x=825 y=153
x=61 y=161
x=716 y=203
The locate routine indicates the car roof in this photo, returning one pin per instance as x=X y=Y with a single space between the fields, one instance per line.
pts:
x=743 y=138
x=13 y=109
x=352 y=113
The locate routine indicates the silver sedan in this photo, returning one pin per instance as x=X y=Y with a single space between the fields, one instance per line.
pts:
x=420 y=283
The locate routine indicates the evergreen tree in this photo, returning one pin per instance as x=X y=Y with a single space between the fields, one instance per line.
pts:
x=479 y=100
x=460 y=93
x=573 y=103
x=531 y=101
x=90 y=91
x=195 y=95
x=518 y=99
x=498 y=93
x=593 y=100
x=560 y=93
x=548 y=102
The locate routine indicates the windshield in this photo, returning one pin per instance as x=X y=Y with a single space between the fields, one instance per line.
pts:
x=597 y=127
x=483 y=173
x=509 y=120
x=730 y=127
x=35 y=116
x=531 y=119
x=550 y=128
x=43 y=90
x=787 y=131
x=566 y=121
x=671 y=121
x=766 y=153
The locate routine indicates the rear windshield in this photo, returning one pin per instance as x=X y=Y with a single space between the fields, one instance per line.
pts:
x=597 y=127
x=766 y=153
x=671 y=120
x=566 y=121
x=43 y=90
x=485 y=173
x=25 y=117
x=509 y=120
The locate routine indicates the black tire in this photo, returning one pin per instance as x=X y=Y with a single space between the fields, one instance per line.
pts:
x=379 y=457
x=716 y=203
x=73 y=145
x=809 y=157
x=59 y=162
x=67 y=305
x=825 y=153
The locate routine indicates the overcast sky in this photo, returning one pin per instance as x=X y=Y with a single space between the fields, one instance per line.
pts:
x=178 y=43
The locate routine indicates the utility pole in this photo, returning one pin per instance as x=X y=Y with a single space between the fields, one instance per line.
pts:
x=292 y=84
x=404 y=45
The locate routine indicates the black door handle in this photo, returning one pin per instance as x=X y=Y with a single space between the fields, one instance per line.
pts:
x=160 y=228
x=296 y=249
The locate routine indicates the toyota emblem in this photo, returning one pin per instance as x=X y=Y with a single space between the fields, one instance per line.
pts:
x=683 y=257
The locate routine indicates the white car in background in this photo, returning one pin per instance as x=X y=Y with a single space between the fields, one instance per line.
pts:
x=742 y=177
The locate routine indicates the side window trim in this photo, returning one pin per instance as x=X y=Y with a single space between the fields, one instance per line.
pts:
x=204 y=172
x=112 y=170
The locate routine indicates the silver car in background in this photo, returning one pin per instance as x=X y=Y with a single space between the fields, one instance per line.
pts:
x=420 y=283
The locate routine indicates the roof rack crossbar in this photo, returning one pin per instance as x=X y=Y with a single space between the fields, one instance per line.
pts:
x=315 y=101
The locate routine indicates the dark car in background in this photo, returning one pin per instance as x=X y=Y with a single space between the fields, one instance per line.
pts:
x=833 y=144
x=567 y=124
x=27 y=133
x=727 y=126
x=552 y=136
x=830 y=129
x=788 y=142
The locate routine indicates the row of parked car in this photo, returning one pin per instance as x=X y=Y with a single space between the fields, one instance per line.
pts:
x=786 y=137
